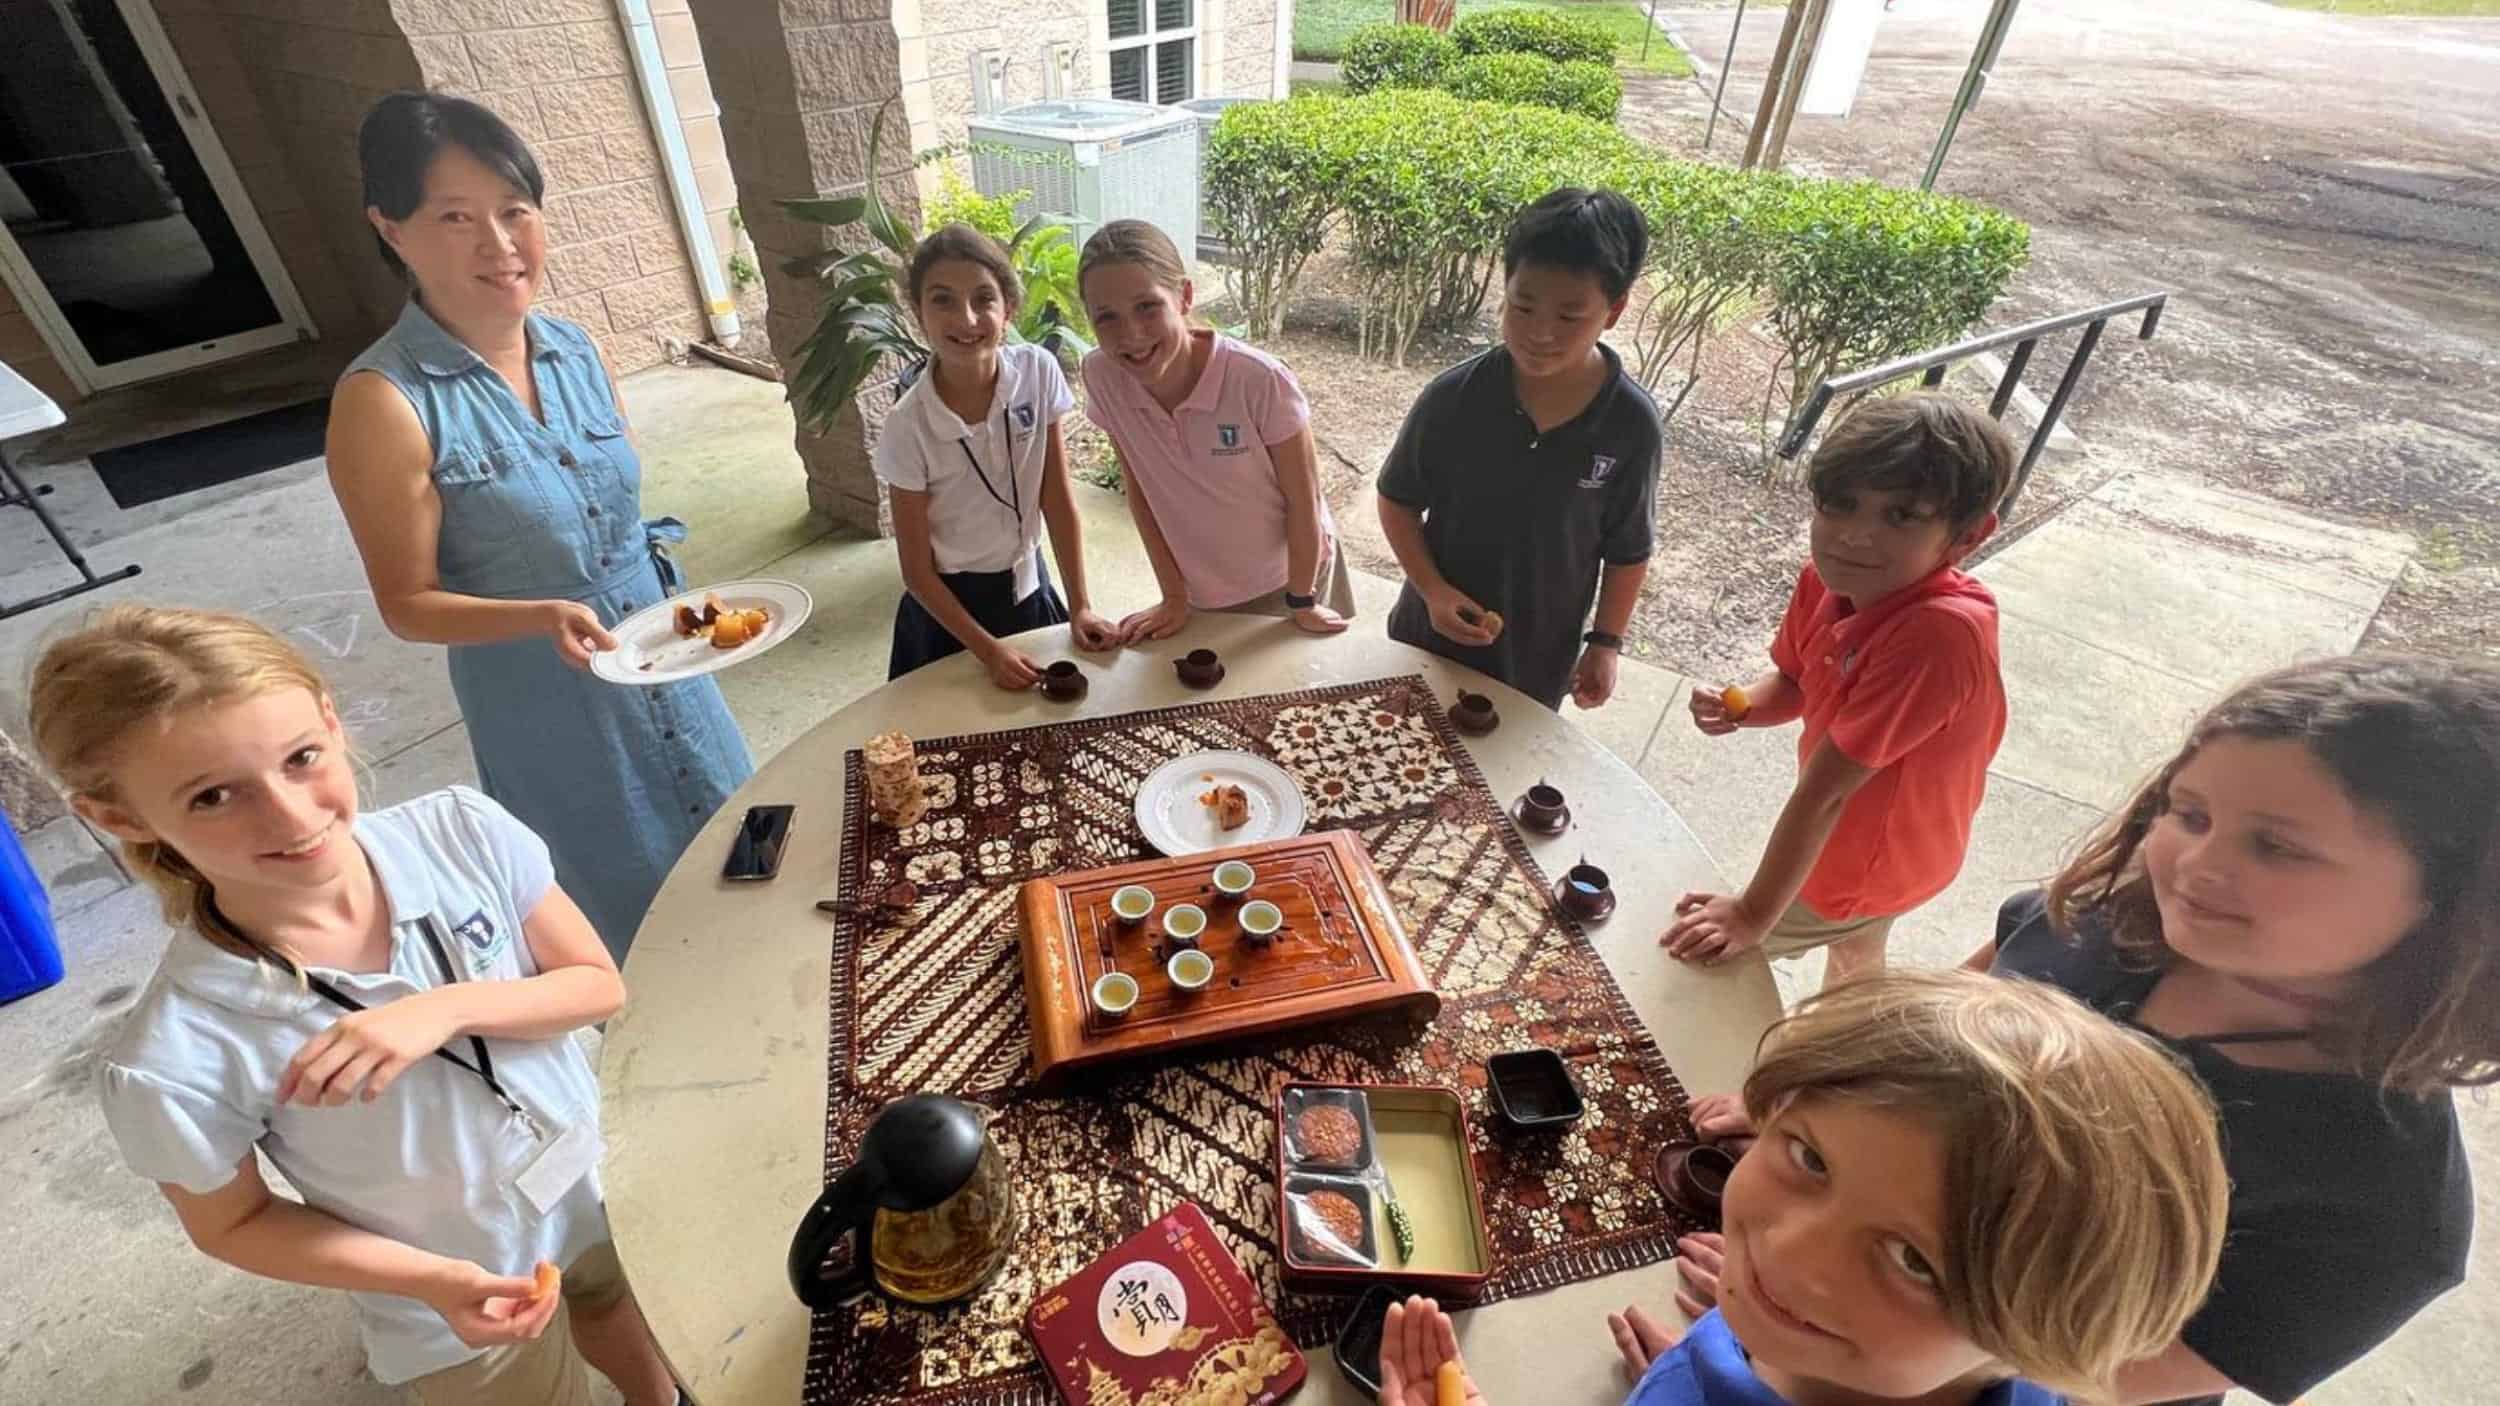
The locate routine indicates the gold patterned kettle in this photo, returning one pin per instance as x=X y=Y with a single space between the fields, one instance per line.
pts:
x=928 y=1207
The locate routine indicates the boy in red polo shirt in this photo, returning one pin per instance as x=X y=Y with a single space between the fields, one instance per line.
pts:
x=1889 y=655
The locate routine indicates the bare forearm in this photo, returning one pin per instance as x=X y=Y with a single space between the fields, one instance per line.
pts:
x=1297 y=475
x=1067 y=548
x=1805 y=825
x=295 y=1243
x=541 y=1007
x=1618 y=591
x=1404 y=527
x=1167 y=567
x=921 y=579
x=437 y=616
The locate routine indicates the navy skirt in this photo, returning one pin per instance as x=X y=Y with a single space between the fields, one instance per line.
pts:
x=990 y=596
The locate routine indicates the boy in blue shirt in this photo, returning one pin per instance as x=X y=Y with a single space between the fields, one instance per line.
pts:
x=1928 y=1144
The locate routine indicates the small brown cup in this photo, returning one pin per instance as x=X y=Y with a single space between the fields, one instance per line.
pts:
x=1544 y=810
x=1474 y=714
x=1064 y=681
x=1200 y=668
x=1693 y=1176
x=1586 y=893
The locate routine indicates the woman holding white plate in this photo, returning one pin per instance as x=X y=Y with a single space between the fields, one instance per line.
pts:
x=480 y=453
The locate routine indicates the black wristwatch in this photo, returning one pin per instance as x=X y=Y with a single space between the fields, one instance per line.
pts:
x=1610 y=641
x=1294 y=602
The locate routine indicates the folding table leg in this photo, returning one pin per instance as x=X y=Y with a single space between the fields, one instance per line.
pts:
x=15 y=493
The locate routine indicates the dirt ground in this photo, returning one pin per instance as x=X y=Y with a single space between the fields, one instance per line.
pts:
x=2319 y=192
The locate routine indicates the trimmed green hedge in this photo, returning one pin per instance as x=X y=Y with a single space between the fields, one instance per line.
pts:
x=1560 y=37
x=1396 y=56
x=1589 y=89
x=1422 y=185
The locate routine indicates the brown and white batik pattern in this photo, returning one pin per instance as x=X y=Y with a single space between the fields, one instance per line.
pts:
x=932 y=1000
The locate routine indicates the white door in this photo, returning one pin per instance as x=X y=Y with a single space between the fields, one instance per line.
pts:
x=127 y=236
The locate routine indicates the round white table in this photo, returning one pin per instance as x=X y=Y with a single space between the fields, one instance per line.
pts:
x=715 y=1071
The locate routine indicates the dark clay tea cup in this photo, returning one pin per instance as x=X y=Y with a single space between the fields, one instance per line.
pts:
x=1543 y=809
x=1586 y=893
x=1199 y=668
x=1474 y=714
x=1064 y=681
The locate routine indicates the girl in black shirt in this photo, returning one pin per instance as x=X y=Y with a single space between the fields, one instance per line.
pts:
x=2305 y=905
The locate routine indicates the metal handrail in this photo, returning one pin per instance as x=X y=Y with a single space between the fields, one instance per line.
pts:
x=1934 y=365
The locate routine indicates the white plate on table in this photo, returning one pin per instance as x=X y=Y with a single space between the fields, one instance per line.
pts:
x=1176 y=822
x=649 y=650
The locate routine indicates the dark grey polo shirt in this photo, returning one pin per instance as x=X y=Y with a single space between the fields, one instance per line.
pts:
x=1522 y=521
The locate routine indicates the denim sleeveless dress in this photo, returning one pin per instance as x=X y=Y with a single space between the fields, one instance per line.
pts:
x=615 y=778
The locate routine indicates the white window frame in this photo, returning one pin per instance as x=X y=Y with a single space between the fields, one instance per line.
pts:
x=1152 y=38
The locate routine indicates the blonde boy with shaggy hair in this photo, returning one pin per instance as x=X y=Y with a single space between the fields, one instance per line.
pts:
x=1965 y=1192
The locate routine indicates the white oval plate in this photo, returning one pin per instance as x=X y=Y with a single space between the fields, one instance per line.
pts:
x=648 y=650
x=1173 y=820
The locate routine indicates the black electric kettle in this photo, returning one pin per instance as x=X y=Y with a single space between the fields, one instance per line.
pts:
x=927 y=1205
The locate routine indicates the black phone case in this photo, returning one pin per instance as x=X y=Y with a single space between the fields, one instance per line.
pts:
x=763 y=837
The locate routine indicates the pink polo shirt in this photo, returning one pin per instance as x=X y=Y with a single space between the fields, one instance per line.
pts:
x=1205 y=469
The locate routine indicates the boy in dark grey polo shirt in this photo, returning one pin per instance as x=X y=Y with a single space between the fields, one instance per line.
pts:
x=1524 y=483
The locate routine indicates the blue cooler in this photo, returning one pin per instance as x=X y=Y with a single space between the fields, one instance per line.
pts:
x=30 y=959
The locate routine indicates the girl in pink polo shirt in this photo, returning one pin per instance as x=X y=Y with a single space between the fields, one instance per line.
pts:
x=1216 y=441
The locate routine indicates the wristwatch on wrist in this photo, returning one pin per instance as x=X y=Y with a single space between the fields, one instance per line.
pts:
x=1294 y=602
x=1601 y=637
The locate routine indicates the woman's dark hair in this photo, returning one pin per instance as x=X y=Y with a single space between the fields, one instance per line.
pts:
x=971 y=246
x=2414 y=741
x=406 y=131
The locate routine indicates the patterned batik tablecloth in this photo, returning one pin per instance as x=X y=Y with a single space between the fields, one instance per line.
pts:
x=933 y=1001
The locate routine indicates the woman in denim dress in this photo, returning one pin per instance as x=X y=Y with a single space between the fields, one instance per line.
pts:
x=482 y=458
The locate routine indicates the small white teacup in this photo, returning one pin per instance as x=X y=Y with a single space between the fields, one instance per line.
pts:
x=1234 y=878
x=1184 y=923
x=1190 y=969
x=1132 y=902
x=1115 y=994
x=1261 y=921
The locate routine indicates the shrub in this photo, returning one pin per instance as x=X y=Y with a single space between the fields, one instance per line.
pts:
x=1585 y=88
x=1396 y=56
x=1708 y=258
x=1271 y=184
x=1859 y=273
x=957 y=203
x=1560 y=37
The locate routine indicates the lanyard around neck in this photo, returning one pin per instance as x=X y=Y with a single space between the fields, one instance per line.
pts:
x=484 y=1068
x=1007 y=441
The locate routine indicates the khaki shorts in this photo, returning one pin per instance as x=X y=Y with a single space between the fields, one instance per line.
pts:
x=1336 y=592
x=546 y=1371
x=1800 y=930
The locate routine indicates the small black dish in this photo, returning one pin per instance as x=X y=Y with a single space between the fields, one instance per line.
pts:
x=1064 y=682
x=1307 y=1249
x=1358 y=1342
x=1533 y=1090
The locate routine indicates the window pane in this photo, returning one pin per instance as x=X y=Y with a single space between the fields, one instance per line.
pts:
x=1174 y=14
x=1128 y=18
x=1172 y=64
x=1128 y=75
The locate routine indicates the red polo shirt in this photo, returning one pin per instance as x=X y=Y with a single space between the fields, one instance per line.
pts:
x=1909 y=688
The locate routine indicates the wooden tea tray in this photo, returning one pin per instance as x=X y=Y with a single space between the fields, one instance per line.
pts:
x=1342 y=953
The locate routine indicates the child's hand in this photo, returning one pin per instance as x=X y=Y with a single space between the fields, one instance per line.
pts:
x=1640 y=1338
x=1456 y=616
x=1094 y=634
x=1010 y=668
x=1415 y=1339
x=1712 y=927
x=1710 y=713
x=1593 y=681
x=576 y=631
x=1721 y=1118
x=1160 y=623
x=367 y=1049
x=1699 y=1259
x=1319 y=620
x=486 y=1309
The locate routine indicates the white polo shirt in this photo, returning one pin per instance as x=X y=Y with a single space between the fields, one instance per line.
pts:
x=189 y=1081
x=984 y=481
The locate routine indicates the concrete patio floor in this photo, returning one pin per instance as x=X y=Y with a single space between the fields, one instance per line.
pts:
x=2122 y=617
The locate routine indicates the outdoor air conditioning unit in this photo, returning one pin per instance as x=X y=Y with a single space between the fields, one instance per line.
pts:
x=1210 y=111
x=1090 y=160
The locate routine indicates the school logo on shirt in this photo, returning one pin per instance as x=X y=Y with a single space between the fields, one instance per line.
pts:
x=1024 y=417
x=478 y=931
x=1601 y=468
x=1228 y=439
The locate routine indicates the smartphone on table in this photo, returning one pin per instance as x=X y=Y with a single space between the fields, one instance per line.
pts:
x=756 y=851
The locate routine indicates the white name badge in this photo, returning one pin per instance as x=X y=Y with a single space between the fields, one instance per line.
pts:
x=559 y=1165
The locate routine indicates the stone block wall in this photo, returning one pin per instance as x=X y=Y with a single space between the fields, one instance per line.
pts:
x=939 y=37
x=559 y=72
x=799 y=82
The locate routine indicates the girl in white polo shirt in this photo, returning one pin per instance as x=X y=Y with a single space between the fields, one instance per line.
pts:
x=381 y=1004
x=1216 y=441
x=975 y=466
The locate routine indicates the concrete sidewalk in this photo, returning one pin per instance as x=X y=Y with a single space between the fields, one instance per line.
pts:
x=2123 y=615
